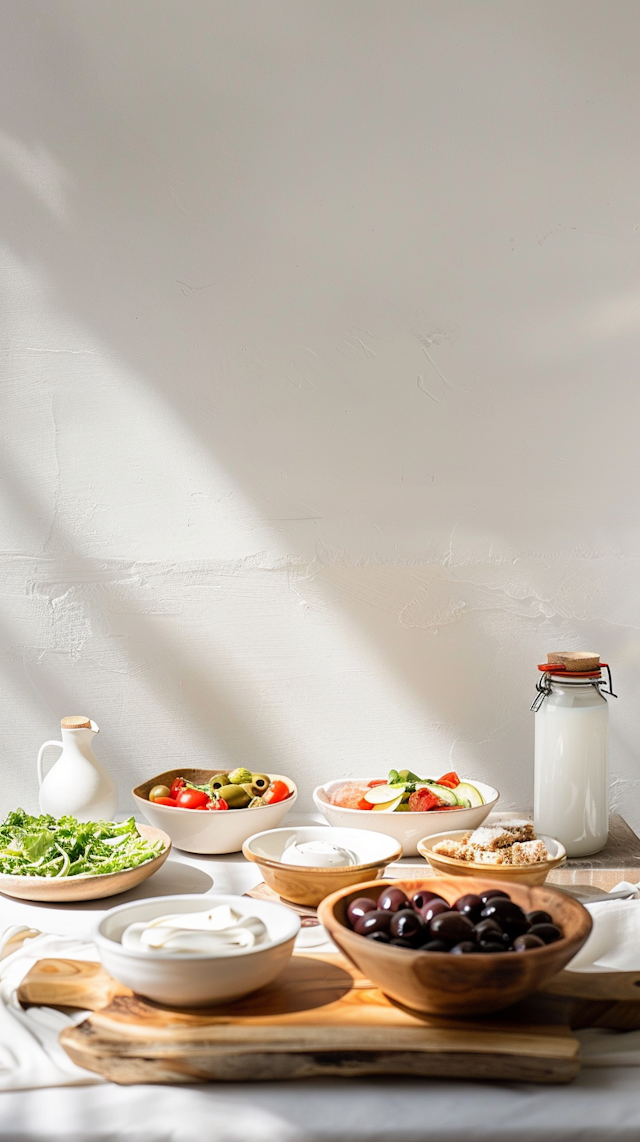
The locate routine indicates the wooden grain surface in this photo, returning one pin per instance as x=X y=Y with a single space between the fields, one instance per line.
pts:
x=618 y=860
x=324 y=1018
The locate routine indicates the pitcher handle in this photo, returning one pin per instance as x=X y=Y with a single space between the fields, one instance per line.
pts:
x=40 y=753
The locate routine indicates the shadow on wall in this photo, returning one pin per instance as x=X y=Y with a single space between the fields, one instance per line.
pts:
x=167 y=177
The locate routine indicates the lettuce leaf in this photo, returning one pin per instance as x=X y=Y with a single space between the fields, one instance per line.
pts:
x=44 y=846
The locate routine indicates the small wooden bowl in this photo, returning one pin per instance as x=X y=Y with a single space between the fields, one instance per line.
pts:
x=441 y=984
x=512 y=873
x=70 y=889
x=302 y=884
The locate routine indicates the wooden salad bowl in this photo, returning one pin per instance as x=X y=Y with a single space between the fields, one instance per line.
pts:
x=70 y=889
x=441 y=984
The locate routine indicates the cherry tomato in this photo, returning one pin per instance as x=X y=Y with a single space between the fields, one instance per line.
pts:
x=191 y=799
x=364 y=804
x=278 y=791
x=450 y=779
x=166 y=801
x=423 y=800
x=219 y=804
x=178 y=784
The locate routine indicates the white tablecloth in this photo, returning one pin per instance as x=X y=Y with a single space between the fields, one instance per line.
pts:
x=600 y=1105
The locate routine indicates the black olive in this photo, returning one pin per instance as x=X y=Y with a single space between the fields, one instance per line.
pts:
x=406 y=925
x=435 y=946
x=499 y=907
x=490 y=947
x=419 y=899
x=509 y=916
x=358 y=908
x=451 y=926
x=491 y=893
x=539 y=917
x=488 y=930
x=433 y=908
x=523 y=943
x=548 y=933
x=377 y=921
x=393 y=899
x=399 y=943
x=464 y=948
x=379 y=937
x=470 y=906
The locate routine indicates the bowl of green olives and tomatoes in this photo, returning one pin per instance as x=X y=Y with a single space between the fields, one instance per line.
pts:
x=212 y=811
x=446 y=946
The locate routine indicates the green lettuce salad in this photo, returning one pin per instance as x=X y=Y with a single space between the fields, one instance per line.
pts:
x=46 y=846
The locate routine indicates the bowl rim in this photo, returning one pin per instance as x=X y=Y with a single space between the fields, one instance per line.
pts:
x=509 y=870
x=172 y=808
x=340 y=869
x=84 y=877
x=115 y=946
x=321 y=804
x=329 y=902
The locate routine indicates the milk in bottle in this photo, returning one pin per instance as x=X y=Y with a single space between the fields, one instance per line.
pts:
x=571 y=776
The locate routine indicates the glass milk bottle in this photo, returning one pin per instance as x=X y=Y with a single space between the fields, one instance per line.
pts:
x=571 y=777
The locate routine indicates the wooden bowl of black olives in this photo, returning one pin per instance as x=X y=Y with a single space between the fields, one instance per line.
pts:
x=447 y=946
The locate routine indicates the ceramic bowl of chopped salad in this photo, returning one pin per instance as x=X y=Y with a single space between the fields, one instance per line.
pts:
x=405 y=806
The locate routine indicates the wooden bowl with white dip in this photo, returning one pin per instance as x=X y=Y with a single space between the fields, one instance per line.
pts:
x=306 y=864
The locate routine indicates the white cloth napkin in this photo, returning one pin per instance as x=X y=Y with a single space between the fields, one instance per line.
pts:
x=30 y=1055
x=614 y=945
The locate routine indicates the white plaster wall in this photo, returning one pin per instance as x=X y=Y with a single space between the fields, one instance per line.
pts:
x=319 y=355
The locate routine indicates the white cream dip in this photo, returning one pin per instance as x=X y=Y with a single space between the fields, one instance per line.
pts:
x=218 y=932
x=317 y=854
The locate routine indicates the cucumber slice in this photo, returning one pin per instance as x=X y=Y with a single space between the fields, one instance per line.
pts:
x=390 y=807
x=442 y=791
x=382 y=794
x=470 y=793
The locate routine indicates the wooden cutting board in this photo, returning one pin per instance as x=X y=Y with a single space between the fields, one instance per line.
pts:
x=323 y=1018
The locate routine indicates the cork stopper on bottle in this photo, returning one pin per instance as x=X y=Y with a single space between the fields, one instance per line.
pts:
x=575 y=661
x=76 y=723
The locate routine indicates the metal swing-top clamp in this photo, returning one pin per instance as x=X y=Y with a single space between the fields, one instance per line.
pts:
x=578 y=664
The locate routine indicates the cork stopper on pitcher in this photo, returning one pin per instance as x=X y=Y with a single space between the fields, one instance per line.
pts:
x=76 y=722
x=575 y=661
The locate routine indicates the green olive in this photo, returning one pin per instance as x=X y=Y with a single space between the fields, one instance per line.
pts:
x=260 y=781
x=239 y=776
x=235 y=796
x=218 y=780
x=159 y=791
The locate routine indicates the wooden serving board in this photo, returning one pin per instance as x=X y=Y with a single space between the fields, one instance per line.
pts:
x=323 y=1018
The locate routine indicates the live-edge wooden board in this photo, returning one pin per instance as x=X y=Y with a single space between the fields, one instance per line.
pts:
x=323 y=1018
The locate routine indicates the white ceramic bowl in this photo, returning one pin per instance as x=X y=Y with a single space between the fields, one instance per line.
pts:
x=207 y=832
x=304 y=884
x=407 y=828
x=196 y=980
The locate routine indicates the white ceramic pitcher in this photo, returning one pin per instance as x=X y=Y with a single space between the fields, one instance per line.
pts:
x=77 y=784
